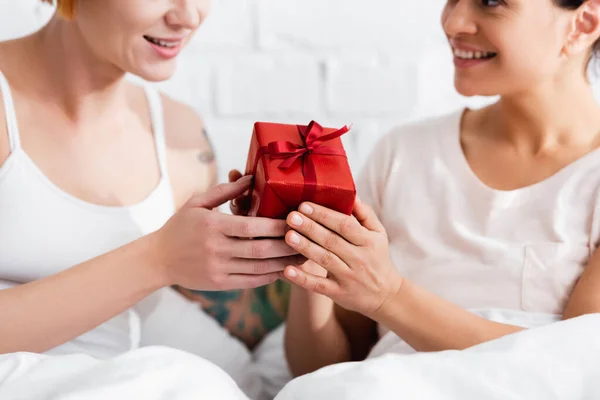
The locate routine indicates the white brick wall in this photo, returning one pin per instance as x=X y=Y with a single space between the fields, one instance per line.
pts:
x=372 y=63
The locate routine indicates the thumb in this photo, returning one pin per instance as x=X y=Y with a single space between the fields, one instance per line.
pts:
x=367 y=217
x=234 y=175
x=221 y=193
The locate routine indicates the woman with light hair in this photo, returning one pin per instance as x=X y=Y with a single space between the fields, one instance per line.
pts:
x=108 y=195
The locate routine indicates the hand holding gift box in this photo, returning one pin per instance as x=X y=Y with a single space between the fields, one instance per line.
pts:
x=292 y=164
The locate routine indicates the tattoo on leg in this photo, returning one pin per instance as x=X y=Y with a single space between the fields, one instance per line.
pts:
x=221 y=303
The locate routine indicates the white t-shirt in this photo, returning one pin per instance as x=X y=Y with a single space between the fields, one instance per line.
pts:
x=472 y=245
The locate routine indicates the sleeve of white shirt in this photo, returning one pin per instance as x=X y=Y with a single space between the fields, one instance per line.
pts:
x=372 y=180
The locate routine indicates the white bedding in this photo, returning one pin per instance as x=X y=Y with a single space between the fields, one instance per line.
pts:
x=549 y=361
x=150 y=373
x=552 y=360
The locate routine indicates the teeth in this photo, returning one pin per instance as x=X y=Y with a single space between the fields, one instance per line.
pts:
x=162 y=42
x=470 y=55
x=166 y=44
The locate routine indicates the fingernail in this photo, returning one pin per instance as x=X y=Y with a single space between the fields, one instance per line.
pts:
x=296 y=220
x=245 y=179
x=292 y=273
x=306 y=209
x=294 y=238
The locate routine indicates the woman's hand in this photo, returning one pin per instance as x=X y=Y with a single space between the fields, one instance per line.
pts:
x=241 y=205
x=353 y=249
x=202 y=249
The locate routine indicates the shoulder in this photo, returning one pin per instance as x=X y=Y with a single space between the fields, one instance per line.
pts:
x=4 y=144
x=184 y=127
x=404 y=149
x=414 y=138
x=424 y=130
x=190 y=156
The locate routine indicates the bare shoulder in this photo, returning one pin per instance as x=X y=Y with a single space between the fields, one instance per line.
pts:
x=192 y=164
x=4 y=145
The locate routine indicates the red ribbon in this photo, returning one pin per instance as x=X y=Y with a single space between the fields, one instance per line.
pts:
x=291 y=152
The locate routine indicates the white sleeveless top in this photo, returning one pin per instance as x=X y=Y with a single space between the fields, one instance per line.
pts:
x=474 y=246
x=44 y=230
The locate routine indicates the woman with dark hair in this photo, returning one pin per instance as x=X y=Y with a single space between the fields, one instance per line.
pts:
x=490 y=208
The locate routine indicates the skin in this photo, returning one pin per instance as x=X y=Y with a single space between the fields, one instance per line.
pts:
x=74 y=108
x=545 y=119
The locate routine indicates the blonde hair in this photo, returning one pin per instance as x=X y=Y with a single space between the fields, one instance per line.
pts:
x=66 y=8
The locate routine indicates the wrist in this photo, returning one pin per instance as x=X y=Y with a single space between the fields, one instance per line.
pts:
x=313 y=306
x=154 y=265
x=393 y=303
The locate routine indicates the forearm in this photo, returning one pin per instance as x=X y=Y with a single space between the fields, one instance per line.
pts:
x=313 y=338
x=429 y=323
x=43 y=314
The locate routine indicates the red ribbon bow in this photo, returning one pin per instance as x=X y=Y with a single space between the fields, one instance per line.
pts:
x=291 y=152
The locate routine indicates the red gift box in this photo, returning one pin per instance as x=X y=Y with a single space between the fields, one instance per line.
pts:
x=292 y=164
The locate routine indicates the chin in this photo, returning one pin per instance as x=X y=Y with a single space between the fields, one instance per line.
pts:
x=470 y=89
x=156 y=73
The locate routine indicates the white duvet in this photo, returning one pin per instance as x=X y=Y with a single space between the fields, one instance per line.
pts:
x=552 y=360
x=150 y=373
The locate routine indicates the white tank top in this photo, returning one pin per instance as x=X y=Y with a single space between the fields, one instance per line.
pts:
x=475 y=246
x=44 y=230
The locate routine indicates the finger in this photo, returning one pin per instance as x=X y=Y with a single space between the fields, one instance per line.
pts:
x=221 y=193
x=312 y=267
x=366 y=216
x=316 y=284
x=236 y=206
x=234 y=175
x=242 y=281
x=259 y=249
x=252 y=227
x=323 y=257
x=262 y=267
x=322 y=236
x=344 y=225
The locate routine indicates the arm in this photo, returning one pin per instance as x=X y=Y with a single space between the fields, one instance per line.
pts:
x=247 y=314
x=190 y=155
x=196 y=248
x=314 y=338
x=46 y=313
x=429 y=323
x=423 y=319
x=321 y=333
x=363 y=278
x=585 y=298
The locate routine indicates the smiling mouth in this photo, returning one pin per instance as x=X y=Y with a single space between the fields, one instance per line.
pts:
x=473 y=55
x=168 y=44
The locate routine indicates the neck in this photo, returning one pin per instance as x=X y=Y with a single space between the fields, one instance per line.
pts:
x=561 y=111
x=69 y=73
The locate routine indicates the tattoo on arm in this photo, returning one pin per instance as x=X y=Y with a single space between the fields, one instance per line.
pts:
x=206 y=156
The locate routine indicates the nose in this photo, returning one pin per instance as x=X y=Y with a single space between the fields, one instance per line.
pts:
x=187 y=14
x=457 y=18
